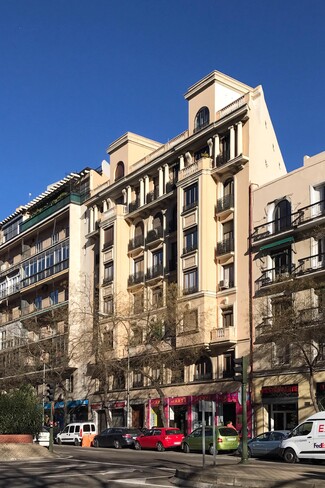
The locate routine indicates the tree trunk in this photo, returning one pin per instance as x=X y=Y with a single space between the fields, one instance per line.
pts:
x=312 y=391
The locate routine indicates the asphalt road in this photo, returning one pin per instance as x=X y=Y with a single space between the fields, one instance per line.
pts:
x=101 y=468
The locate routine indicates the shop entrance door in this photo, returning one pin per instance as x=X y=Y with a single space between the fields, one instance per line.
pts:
x=137 y=416
x=229 y=413
x=283 y=416
x=180 y=418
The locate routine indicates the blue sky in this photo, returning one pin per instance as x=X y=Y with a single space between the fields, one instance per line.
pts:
x=77 y=74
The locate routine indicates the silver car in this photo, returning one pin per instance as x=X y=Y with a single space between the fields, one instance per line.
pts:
x=266 y=444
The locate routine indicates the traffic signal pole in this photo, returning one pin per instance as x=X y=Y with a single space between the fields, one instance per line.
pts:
x=240 y=374
x=51 y=427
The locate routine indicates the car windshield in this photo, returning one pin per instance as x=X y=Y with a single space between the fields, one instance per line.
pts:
x=172 y=431
x=227 y=431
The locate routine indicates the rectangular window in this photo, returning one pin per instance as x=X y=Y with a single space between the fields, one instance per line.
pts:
x=137 y=335
x=139 y=266
x=227 y=317
x=228 y=371
x=38 y=246
x=137 y=379
x=190 y=320
x=157 y=297
x=108 y=237
x=190 y=281
x=54 y=297
x=190 y=240
x=157 y=258
x=138 y=303
x=281 y=354
x=190 y=197
x=55 y=238
x=109 y=272
x=228 y=280
x=108 y=305
x=38 y=303
x=156 y=376
x=108 y=339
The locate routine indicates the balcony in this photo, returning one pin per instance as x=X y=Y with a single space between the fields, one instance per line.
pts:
x=46 y=273
x=224 y=164
x=10 y=290
x=154 y=235
x=134 y=205
x=136 y=278
x=49 y=210
x=136 y=242
x=190 y=248
x=223 y=334
x=225 y=246
x=274 y=276
x=302 y=218
x=199 y=165
x=310 y=264
x=170 y=186
x=152 y=195
x=156 y=271
x=190 y=290
x=225 y=203
x=202 y=376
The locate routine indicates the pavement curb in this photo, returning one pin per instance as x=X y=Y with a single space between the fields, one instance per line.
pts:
x=191 y=478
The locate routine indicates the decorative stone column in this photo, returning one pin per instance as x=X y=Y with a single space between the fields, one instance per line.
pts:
x=160 y=182
x=232 y=142
x=141 y=192
x=166 y=177
x=146 y=186
x=216 y=149
x=124 y=193
x=129 y=194
x=181 y=162
x=239 y=138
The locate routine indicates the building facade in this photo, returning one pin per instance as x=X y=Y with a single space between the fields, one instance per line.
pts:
x=287 y=242
x=179 y=213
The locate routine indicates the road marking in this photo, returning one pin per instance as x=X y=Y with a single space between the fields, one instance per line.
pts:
x=102 y=473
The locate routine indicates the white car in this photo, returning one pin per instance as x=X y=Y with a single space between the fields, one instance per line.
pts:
x=43 y=437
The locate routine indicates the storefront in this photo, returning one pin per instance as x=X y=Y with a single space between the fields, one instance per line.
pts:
x=117 y=414
x=281 y=404
x=67 y=412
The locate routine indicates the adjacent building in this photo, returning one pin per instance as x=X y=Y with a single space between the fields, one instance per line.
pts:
x=287 y=242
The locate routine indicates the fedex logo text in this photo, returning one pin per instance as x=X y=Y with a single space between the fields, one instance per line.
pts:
x=319 y=446
x=321 y=428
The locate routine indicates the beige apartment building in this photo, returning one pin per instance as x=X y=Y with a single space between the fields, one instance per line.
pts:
x=42 y=265
x=178 y=213
x=287 y=242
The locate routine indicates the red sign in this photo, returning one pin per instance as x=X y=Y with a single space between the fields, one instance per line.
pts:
x=178 y=401
x=155 y=402
x=196 y=399
x=96 y=406
x=119 y=404
x=280 y=391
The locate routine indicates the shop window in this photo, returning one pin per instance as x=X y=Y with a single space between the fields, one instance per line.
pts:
x=203 y=369
x=190 y=321
x=202 y=119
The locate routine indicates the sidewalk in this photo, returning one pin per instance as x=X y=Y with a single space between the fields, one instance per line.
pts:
x=274 y=475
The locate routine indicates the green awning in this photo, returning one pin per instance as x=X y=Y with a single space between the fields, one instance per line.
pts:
x=281 y=242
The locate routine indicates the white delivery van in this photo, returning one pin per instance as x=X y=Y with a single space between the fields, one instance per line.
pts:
x=73 y=433
x=306 y=441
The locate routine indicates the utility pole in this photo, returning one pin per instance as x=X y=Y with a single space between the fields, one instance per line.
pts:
x=50 y=397
x=240 y=374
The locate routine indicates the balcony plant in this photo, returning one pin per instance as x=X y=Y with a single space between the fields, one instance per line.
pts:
x=21 y=415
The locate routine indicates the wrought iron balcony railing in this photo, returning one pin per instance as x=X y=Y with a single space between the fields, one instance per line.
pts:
x=225 y=246
x=155 y=271
x=136 y=278
x=154 y=234
x=136 y=242
x=225 y=203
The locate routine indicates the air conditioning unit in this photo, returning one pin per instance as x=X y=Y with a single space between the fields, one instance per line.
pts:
x=224 y=284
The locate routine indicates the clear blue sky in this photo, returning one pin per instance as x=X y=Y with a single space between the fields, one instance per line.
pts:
x=77 y=74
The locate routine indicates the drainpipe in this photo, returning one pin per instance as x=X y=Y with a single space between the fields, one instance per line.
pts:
x=250 y=291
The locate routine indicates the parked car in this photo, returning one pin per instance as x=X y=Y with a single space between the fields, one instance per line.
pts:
x=117 y=437
x=73 y=433
x=266 y=444
x=227 y=439
x=43 y=437
x=160 y=438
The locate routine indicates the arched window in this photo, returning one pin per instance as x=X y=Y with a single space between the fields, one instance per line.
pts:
x=228 y=187
x=282 y=215
x=157 y=221
x=202 y=119
x=139 y=230
x=203 y=369
x=119 y=172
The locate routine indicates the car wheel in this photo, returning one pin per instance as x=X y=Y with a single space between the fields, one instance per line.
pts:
x=211 y=450
x=76 y=442
x=137 y=446
x=289 y=456
x=160 y=447
x=95 y=443
x=59 y=442
x=117 y=444
x=186 y=448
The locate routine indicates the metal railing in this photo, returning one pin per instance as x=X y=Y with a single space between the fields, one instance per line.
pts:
x=136 y=242
x=154 y=234
x=155 y=271
x=136 y=278
x=225 y=203
x=225 y=246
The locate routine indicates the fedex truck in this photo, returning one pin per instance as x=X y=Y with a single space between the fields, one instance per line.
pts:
x=306 y=441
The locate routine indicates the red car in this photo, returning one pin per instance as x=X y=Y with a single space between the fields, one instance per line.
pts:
x=160 y=438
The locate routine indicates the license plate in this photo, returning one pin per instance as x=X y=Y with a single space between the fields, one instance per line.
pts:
x=230 y=439
x=177 y=443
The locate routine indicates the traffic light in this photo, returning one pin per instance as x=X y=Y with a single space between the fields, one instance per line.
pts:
x=50 y=392
x=240 y=369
